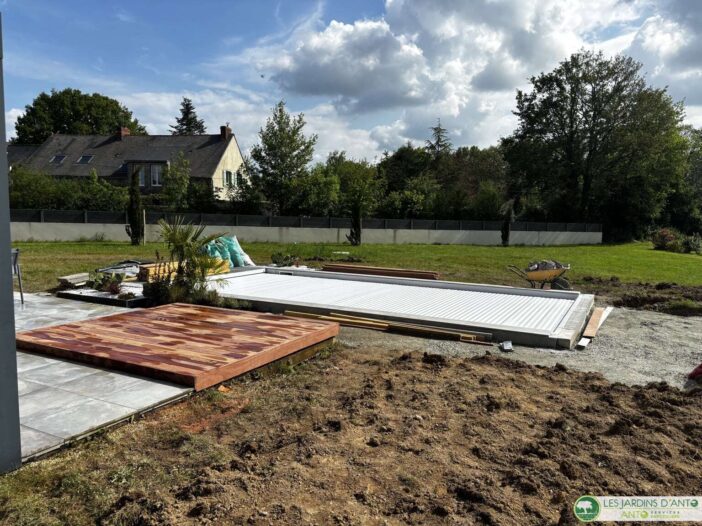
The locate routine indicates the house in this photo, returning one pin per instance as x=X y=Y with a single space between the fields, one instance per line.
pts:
x=213 y=158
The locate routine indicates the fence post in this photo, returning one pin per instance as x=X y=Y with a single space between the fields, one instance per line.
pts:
x=300 y=221
x=41 y=216
x=85 y=216
x=411 y=224
x=270 y=220
x=236 y=219
x=330 y=221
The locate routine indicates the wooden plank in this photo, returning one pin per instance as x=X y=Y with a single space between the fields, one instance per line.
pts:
x=594 y=323
x=381 y=271
x=187 y=344
x=605 y=315
x=74 y=280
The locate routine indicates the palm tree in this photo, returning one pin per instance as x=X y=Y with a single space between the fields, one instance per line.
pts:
x=187 y=246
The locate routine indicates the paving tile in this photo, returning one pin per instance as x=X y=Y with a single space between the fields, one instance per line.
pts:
x=77 y=419
x=46 y=401
x=34 y=441
x=143 y=394
x=25 y=387
x=27 y=361
x=58 y=372
x=100 y=383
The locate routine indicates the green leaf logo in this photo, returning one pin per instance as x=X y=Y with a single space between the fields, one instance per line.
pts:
x=586 y=508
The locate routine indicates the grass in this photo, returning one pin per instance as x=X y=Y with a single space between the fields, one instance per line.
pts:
x=43 y=262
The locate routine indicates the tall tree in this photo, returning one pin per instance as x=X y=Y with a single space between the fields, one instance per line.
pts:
x=282 y=156
x=439 y=144
x=135 y=211
x=598 y=144
x=404 y=164
x=73 y=112
x=359 y=193
x=188 y=123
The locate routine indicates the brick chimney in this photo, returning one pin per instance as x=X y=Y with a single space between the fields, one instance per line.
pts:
x=123 y=132
x=225 y=132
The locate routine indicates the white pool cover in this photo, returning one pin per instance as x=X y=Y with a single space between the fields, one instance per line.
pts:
x=527 y=316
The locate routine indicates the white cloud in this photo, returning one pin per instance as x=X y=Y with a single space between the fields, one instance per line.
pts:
x=367 y=85
x=11 y=117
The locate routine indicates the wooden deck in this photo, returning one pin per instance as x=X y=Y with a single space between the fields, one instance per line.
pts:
x=186 y=344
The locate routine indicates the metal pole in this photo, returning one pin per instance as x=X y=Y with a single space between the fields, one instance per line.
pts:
x=10 y=452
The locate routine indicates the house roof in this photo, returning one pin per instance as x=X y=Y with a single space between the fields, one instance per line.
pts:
x=110 y=153
x=19 y=153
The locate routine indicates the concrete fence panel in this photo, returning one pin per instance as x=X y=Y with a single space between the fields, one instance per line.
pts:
x=36 y=231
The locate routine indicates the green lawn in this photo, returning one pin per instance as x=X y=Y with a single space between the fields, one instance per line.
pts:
x=632 y=262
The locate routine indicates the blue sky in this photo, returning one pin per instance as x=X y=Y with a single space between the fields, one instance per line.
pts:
x=369 y=75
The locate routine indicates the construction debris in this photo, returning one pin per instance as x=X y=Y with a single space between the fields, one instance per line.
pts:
x=398 y=327
x=594 y=324
x=506 y=346
x=584 y=342
x=381 y=271
x=73 y=280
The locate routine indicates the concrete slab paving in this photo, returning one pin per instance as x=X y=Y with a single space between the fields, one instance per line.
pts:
x=57 y=373
x=34 y=441
x=62 y=400
x=45 y=402
x=25 y=386
x=77 y=418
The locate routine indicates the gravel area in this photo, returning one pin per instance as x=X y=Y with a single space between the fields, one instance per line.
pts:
x=633 y=347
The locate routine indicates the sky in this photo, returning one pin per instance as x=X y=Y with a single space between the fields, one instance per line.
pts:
x=369 y=75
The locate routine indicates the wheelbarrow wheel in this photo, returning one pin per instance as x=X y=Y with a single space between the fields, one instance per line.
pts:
x=560 y=284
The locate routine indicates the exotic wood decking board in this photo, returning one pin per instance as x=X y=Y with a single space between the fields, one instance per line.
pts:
x=187 y=344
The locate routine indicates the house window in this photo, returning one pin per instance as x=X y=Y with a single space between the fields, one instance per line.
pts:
x=228 y=178
x=57 y=159
x=156 y=174
x=85 y=159
x=142 y=175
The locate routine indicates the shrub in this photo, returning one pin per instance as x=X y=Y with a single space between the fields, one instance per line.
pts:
x=667 y=239
x=671 y=240
x=692 y=243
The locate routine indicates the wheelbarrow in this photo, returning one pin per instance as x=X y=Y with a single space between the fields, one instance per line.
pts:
x=540 y=277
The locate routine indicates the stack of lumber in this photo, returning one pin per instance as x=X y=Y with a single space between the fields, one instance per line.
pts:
x=74 y=280
x=153 y=271
x=381 y=271
x=399 y=327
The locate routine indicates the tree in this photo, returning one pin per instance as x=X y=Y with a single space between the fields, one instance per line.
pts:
x=135 y=211
x=359 y=193
x=41 y=191
x=439 y=144
x=72 y=112
x=597 y=144
x=282 y=156
x=404 y=164
x=176 y=180
x=244 y=196
x=683 y=207
x=188 y=123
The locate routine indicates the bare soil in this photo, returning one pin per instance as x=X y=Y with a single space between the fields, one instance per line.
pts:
x=666 y=297
x=376 y=436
